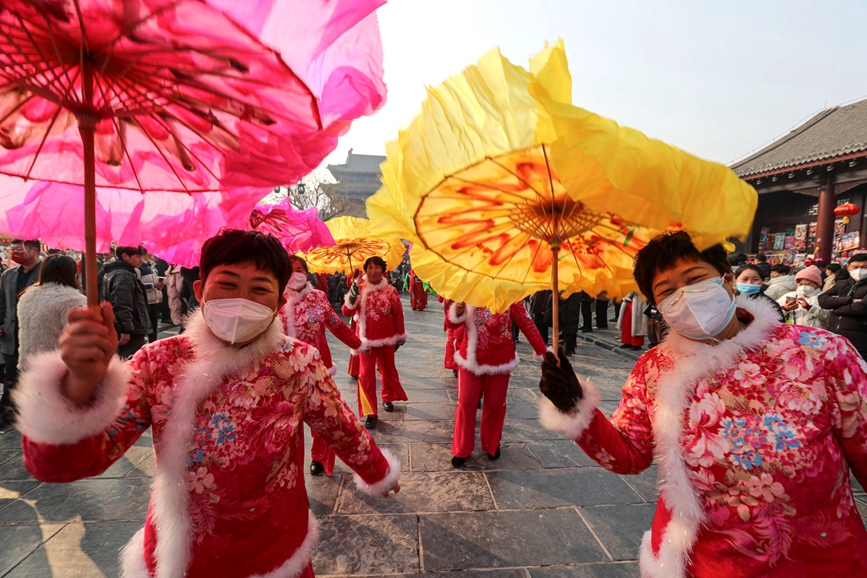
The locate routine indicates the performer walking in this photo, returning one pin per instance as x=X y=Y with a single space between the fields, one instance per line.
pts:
x=486 y=359
x=226 y=402
x=417 y=291
x=449 y=359
x=380 y=327
x=305 y=316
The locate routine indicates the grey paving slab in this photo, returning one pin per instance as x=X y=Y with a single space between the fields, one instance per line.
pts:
x=145 y=469
x=367 y=545
x=10 y=492
x=620 y=528
x=19 y=542
x=526 y=429
x=87 y=550
x=561 y=453
x=91 y=500
x=645 y=483
x=604 y=570
x=862 y=508
x=856 y=487
x=559 y=488
x=128 y=462
x=322 y=492
x=414 y=431
x=10 y=440
x=454 y=491
x=430 y=411
x=507 y=573
x=506 y=540
x=436 y=457
x=13 y=469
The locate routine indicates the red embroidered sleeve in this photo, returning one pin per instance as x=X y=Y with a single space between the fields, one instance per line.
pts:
x=846 y=378
x=93 y=455
x=624 y=444
x=340 y=329
x=522 y=319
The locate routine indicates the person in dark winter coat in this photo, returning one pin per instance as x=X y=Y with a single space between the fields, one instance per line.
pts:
x=128 y=298
x=540 y=311
x=570 y=311
x=846 y=302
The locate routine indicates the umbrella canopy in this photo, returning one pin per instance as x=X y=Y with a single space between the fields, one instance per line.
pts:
x=176 y=95
x=353 y=245
x=509 y=188
x=298 y=230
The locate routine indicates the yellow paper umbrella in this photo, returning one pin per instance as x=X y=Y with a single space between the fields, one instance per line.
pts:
x=509 y=188
x=354 y=244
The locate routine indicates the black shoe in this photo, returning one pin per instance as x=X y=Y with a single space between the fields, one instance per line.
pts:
x=601 y=327
x=458 y=462
x=316 y=468
x=455 y=372
x=625 y=346
x=586 y=330
x=496 y=456
x=370 y=422
x=570 y=352
x=636 y=348
x=389 y=407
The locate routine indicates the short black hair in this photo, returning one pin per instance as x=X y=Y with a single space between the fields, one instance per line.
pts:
x=666 y=249
x=60 y=269
x=781 y=269
x=300 y=260
x=750 y=267
x=377 y=260
x=737 y=259
x=28 y=244
x=234 y=246
x=761 y=258
x=128 y=251
x=834 y=267
x=858 y=258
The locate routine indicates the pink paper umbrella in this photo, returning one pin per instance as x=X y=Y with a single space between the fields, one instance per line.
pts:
x=297 y=230
x=177 y=96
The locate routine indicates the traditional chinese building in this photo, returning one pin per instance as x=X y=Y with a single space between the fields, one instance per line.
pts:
x=802 y=177
x=357 y=179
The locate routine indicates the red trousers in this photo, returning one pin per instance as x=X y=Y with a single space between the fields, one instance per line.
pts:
x=449 y=361
x=626 y=336
x=321 y=452
x=470 y=389
x=382 y=357
x=419 y=297
x=353 y=365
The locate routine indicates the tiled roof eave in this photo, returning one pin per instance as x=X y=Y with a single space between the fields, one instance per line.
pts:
x=797 y=164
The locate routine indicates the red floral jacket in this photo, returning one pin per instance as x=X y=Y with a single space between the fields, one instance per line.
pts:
x=754 y=437
x=310 y=313
x=488 y=346
x=229 y=496
x=380 y=314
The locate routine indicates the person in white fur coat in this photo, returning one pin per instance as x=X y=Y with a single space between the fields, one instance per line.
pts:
x=226 y=401
x=755 y=426
x=42 y=308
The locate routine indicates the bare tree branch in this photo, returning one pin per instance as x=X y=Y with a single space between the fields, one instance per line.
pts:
x=314 y=192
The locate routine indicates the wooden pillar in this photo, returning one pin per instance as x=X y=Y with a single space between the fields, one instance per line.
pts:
x=862 y=222
x=825 y=220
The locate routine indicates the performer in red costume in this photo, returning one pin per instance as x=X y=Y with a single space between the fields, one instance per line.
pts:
x=305 y=316
x=486 y=359
x=417 y=291
x=755 y=426
x=380 y=327
x=449 y=360
x=226 y=402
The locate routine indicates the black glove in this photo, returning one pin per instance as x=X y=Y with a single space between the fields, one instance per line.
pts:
x=398 y=344
x=559 y=382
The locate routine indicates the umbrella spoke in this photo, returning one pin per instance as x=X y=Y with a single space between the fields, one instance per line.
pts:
x=528 y=185
x=42 y=142
x=481 y=185
x=42 y=56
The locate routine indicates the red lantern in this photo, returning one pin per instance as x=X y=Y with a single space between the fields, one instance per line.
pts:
x=847 y=210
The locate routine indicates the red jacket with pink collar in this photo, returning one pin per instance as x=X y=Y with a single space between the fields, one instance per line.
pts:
x=380 y=314
x=488 y=347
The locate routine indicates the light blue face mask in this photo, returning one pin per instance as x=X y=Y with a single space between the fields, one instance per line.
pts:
x=745 y=289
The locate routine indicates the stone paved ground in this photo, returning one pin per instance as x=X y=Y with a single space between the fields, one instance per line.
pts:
x=544 y=510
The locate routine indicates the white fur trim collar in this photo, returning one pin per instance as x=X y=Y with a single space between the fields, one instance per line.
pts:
x=213 y=361
x=694 y=361
x=292 y=299
x=361 y=303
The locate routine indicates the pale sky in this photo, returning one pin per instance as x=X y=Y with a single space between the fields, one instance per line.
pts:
x=718 y=78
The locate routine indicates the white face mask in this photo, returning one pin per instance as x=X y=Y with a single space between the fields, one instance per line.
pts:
x=297 y=281
x=858 y=274
x=806 y=290
x=237 y=320
x=699 y=311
